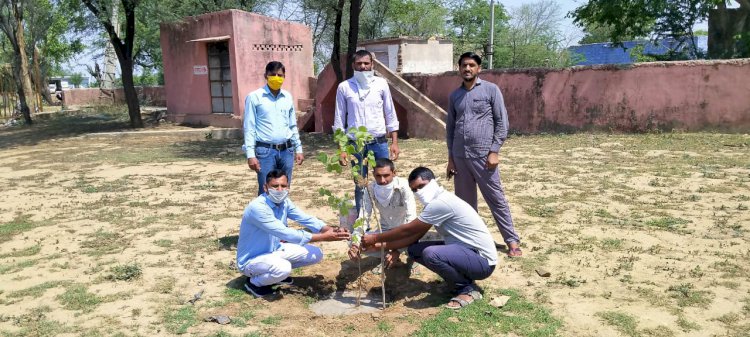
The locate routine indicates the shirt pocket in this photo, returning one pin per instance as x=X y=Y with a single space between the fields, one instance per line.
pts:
x=481 y=106
x=262 y=151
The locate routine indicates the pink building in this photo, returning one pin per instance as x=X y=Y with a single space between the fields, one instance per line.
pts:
x=212 y=61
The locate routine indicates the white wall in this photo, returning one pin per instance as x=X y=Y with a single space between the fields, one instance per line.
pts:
x=428 y=58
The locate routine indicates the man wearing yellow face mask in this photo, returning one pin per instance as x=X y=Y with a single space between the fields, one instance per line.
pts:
x=270 y=127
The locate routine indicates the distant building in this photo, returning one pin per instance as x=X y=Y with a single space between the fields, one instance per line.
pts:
x=608 y=53
x=412 y=54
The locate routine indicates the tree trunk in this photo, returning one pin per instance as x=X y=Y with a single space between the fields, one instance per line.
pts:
x=336 y=52
x=355 y=7
x=22 y=72
x=41 y=82
x=724 y=25
x=131 y=96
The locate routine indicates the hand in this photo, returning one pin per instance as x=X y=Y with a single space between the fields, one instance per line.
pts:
x=492 y=161
x=343 y=159
x=335 y=235
x=299 y=158
x=450 y=170
x=354 y=253
x=254 y=164
x=394 y=151
x=368 y=240
x=391 y=258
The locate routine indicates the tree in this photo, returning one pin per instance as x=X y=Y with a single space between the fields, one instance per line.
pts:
x=12 y=24
x=382 y=18
x=596 y=33
x=469 y=25
x=76 y=79
x=658 y=19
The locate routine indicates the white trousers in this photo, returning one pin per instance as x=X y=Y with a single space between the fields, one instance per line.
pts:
x=273 y=267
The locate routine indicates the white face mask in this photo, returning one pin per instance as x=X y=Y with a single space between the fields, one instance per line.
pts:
x=364 y=78
x=383 y=193
x=277 y=196
x=429 y=192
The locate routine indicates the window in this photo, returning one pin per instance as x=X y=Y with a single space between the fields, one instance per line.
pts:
x=220 y=77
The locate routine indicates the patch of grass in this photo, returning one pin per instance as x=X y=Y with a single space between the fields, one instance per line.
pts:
x=272 y=320
x=729 y=319
x=610 y=244
x=77 y=297
x=622 y=322
x=730 y=269
x=385 y=327
x=686 y=325
x=29 y=251
x=125 y=272
x=36 y=324
x=37 y=290
x=541 y=211
x=102 y=243
x=20 y=224
x=177 y=322
x=667 y=223
x=686 y=296
x=164 y=285
x=479 y=319
x=164 y=243
x=18 y=266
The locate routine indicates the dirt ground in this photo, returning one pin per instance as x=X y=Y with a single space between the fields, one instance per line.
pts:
x=644 y=235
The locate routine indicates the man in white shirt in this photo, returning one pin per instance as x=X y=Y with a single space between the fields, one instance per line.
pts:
x=365 y=100
x=394 y=201
x=467 y=252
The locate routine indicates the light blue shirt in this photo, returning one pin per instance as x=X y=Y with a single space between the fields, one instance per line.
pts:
x=264 y=225
x=269 y=119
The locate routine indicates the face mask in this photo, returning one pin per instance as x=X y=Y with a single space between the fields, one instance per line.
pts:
x=277 y=196
x=364 y=78
x=429 y=192
x=383 y=193
x=274 y=82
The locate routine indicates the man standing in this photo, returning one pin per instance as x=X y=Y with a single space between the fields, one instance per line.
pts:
x=267 y=249
x=467 y=253
x=270 y=126
x=477 y=126
x=394 y=201
x=365 y=100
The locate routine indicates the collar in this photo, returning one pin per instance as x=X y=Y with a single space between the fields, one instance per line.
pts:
x=267 y=90
x=477 y=83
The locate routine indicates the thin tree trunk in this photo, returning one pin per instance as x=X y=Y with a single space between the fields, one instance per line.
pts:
x=41 y=82
x=131 y=96
x=355 y=7
x=22 y=71
x=336 y=52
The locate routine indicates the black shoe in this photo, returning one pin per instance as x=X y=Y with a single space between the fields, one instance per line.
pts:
x=258 y=291
x=287 y=281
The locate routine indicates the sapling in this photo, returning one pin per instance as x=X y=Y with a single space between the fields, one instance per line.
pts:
x=358 y=174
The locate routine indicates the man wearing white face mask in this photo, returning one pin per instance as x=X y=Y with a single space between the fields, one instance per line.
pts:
x=267 y=249
x=468 y=251
x=394 y=201
x=365 y=100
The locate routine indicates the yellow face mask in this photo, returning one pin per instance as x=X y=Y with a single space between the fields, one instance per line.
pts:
x=274 y=82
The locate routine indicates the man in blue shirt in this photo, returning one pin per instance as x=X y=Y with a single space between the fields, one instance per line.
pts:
x=268 y=249
x=270 y=127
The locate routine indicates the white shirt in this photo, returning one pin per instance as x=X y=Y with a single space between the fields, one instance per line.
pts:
x=372 y=108
x=401 y=208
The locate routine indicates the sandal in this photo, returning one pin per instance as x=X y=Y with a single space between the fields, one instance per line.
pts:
x=474 y=295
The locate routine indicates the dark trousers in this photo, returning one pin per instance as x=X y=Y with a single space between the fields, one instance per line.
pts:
x=457 y=264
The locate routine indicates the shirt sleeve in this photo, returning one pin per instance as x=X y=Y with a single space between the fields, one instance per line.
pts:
x=436 y=213
x=248 y=126
x=391 y=120
x=340 y=112
x=500 y=118
x=411 y=204
x=263 y=217
x=450 y=124
x=309 y=221
x=293 y=127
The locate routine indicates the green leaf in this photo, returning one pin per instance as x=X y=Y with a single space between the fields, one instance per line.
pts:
x=323 y=158
x=350 y=149
x=362 y=128
x=324 y=192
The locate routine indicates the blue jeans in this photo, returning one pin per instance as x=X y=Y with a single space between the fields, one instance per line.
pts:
x=455 y=263
x=271 y=159
x=380 y=150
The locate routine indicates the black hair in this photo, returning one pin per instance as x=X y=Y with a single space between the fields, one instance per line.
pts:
x=385 y=162
x=421 y=172
x=274 y=174
x=471 y=55
x=360 y=54
x=273 y=66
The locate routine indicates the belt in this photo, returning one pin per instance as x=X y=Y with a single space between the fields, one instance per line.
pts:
x=277 y=147
x=378 y=140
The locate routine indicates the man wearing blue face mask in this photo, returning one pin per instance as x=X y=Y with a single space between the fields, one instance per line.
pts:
x=365 y=100
x=467 y=252
x=267 y=249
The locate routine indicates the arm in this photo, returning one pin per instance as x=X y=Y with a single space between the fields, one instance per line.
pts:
x=308 y=221
x=408 y=230
x=450 y=127
x=340 y=111
x=248 y=126
x=263 y=217
x=299 y=157
x=500 y=121
x=398 y=243
x=391 y=121
x=411 y=204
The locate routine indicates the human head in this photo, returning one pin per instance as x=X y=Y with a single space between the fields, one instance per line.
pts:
x=469 y=65
x=275 y=68
x=362 y=60
x=419 y=177
x=384 y=171
x=276 y=179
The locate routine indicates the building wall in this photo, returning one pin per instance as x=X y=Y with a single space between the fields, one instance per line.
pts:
x=693 y=95
x=254 y=41
x=154 y=96
x=430 y=57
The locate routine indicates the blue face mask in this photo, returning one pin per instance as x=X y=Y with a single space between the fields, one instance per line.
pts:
x=277 y=196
